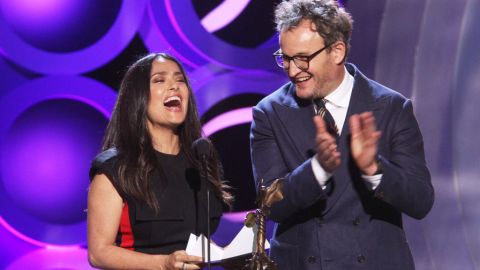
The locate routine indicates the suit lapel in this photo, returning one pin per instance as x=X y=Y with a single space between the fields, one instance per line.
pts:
x=296 y=117
x=362 y=100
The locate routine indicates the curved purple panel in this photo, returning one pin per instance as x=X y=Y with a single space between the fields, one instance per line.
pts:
x=428 y=58
x=228 y=119
x=367 y=16
x=45 y=156
x=224 y=85
x=59 y=24
x=11 y=77
x=51 y=129
x=394 y=64
x=105 y=49
x=70 y=258
x=223 y=14
x=466 y=149
x=439 y=241
x=162 y=37
x=178 y=20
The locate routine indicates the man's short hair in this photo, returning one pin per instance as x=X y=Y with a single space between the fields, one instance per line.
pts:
x=331 y=20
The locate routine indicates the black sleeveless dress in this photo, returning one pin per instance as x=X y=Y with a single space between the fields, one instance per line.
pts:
x=182 y=201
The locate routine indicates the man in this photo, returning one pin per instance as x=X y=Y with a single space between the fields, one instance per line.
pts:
x=350 y=171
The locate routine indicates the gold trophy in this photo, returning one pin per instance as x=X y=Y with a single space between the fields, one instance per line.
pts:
x=265 y=198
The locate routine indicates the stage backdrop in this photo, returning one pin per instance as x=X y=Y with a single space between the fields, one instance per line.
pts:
x=61 y=62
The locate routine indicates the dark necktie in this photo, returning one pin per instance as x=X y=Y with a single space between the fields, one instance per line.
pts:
x=327 y=117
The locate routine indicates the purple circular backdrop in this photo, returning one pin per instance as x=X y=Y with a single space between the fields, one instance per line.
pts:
x=52 y=128
x=181 y=28
x=105 y=49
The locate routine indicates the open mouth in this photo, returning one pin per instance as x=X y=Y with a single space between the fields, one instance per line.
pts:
x=173 y=103
x=302 y=79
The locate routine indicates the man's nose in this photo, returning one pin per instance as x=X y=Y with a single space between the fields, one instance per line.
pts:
x=292 y=69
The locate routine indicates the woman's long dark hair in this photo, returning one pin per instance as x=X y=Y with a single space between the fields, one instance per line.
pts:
x=127 y=132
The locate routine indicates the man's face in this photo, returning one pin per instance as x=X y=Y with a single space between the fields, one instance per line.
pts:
x=324 y=73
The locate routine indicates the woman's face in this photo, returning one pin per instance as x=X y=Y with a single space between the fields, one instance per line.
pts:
x=168 y=103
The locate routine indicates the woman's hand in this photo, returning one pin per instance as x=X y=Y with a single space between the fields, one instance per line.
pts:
x=181 y=260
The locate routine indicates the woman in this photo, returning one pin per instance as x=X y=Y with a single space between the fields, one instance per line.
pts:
x=146 y=196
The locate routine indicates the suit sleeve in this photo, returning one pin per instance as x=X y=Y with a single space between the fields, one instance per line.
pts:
x=300 y=188
x=406 y=182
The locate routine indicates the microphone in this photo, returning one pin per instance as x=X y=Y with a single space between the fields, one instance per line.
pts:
x=201 y=148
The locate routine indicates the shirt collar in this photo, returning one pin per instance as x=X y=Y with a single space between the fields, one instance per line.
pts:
x=340 y=97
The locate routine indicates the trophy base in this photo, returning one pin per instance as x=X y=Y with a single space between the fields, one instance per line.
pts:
x=260 y=262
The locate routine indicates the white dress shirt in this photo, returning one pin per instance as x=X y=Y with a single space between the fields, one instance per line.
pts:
x=337 y=104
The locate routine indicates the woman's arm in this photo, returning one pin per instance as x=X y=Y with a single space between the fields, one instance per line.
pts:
x=104 y=211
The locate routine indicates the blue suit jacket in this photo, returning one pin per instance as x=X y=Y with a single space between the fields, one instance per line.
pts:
x=346 y=226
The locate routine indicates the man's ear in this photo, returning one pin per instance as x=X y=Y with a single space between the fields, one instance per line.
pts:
x=339 y=52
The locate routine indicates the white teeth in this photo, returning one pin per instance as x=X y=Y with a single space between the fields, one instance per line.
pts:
x=302 y=79
x=172 y=98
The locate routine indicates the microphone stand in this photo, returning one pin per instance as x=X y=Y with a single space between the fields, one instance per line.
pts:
x=208 y=228
x=205 y=177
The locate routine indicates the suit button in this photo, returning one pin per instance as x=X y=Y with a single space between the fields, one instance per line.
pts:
x=356 y=221
x=380 y=195
x=312 y=259
x=360 y=258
